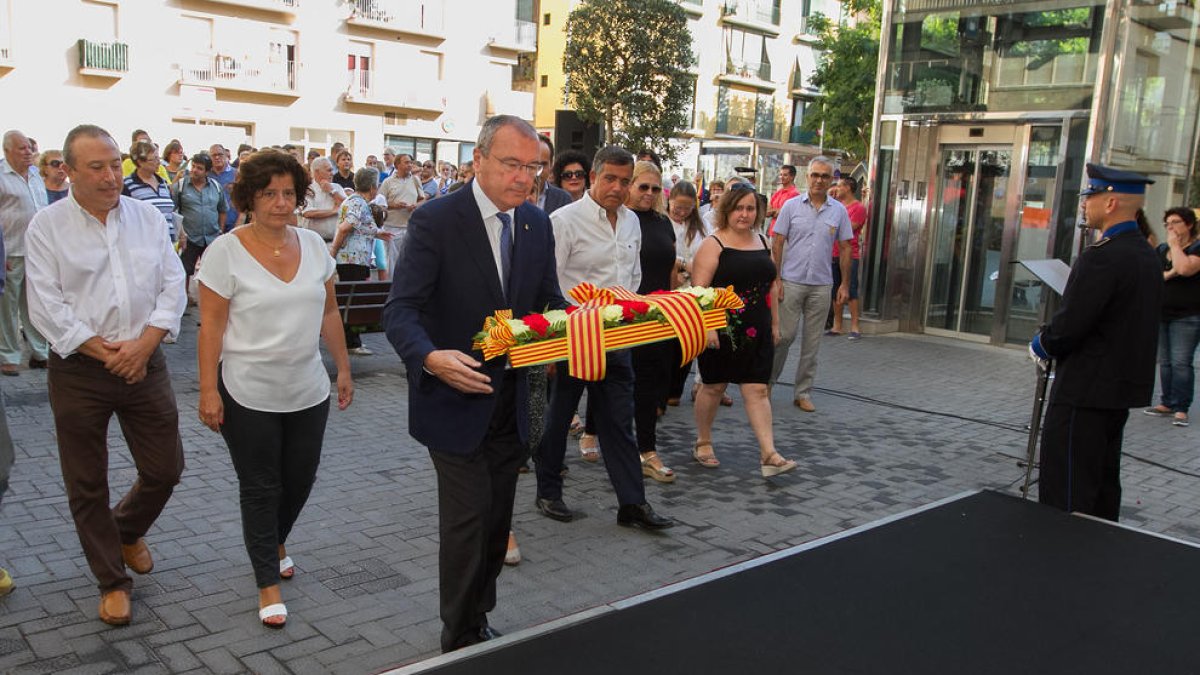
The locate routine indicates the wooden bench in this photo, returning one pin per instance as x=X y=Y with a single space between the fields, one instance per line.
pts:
x=361 y=304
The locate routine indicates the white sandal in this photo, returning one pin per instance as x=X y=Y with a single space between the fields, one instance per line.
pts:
x=287 y=568
x=272 y=611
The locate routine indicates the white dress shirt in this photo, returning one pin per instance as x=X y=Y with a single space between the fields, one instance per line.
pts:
x=587 y=248
x=20 y=198
x=492 y=224
x=86 y=278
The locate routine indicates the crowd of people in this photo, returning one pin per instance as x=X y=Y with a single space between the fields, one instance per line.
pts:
x=100 y=246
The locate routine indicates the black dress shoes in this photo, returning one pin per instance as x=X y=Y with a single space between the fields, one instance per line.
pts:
x=554 y=508
x=488 y=633
x=642 y=515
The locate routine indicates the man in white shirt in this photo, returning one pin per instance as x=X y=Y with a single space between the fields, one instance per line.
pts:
x=321 y=209
x=598 y=240
x=105 y=287
x=22 y=194
x=403 y=193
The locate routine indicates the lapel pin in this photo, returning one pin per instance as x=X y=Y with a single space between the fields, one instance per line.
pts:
x=526 y=227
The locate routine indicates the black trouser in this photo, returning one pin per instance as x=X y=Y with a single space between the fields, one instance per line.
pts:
x=679 y=375
x=1081 y=460
x=610 y=403
x=348 y=272
x=276 y=457
x=475 y=505
x=651 y=381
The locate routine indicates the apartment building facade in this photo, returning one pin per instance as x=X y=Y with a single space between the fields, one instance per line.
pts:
x=419 y=75
x=753 y=69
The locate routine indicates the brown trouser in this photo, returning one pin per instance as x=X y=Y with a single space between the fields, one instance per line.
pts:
x=84 y=396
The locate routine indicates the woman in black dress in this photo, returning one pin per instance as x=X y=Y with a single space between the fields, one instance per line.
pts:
x=737 y=255
x=651 y=363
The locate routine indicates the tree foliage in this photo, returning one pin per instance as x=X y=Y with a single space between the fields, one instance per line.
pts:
x=846 y=76
x=626 y=63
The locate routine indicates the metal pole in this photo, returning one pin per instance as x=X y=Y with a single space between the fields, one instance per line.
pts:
x=1035 y=425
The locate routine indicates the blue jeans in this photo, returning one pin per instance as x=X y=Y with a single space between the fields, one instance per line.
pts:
x=1177 y=340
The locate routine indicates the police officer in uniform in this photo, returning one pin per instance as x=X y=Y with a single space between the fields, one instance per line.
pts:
x=1103 y=340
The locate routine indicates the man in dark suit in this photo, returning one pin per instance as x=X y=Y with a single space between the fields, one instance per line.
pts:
x=1103 y=340
x=468 y=254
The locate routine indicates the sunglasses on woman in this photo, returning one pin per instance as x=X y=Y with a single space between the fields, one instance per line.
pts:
x=646 y=187
x=578 y=174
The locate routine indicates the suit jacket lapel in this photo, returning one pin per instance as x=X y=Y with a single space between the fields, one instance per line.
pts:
x=520 y=245
x=478 y=248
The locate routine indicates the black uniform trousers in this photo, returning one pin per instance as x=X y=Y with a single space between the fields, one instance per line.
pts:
x=475 y=505
x=1081 y=459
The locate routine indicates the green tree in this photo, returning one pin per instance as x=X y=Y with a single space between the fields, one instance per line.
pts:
x=846 y=77
x=626 y=63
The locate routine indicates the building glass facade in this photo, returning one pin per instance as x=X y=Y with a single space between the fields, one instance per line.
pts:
x=986 y=113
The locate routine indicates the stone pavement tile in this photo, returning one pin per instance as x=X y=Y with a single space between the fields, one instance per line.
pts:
x=220 y=661
x=177 y=657
x=263 y=663
x=884 y=439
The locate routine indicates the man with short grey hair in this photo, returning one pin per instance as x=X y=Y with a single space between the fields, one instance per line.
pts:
x=806 y=230
x=22 y=194
x=471 y=253
x=320 y=212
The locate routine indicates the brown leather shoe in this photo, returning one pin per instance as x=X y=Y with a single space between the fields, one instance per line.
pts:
x=9 y=369
x=805 y=404
x=114 y=608
x=137 y=557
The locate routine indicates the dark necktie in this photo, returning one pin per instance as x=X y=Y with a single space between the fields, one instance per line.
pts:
x=506 y=245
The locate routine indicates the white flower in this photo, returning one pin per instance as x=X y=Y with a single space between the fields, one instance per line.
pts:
x=612 y=313
x=518 y=327
x=555 y=316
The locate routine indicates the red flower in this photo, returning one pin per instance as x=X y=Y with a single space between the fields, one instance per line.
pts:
x=537 y=323
x=630 y=309
x=571 y=309
x=752 y=332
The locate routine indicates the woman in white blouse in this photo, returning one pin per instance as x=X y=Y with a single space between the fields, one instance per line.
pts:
x=266 y=297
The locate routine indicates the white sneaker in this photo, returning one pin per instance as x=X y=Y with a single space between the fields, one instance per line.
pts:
x=361 y=351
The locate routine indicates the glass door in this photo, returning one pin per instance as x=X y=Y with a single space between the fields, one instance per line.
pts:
x=967 y=238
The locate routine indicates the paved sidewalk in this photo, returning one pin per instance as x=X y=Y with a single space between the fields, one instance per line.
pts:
x=365 y=595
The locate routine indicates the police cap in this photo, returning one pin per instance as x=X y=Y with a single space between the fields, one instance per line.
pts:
x=1107 y=179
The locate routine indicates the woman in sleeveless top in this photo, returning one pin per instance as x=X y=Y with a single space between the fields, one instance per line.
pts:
x=736 y=255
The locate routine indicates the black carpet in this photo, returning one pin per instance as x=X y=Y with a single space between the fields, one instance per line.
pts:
x=985 y=584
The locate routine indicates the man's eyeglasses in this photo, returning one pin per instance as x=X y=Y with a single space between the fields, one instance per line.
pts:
x=821 y=176
x=578 y=174
x=512 y=166
x=646 y=187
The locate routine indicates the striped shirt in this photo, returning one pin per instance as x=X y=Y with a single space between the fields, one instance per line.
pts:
x=159 y=197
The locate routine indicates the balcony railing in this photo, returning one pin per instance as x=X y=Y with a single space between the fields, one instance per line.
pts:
x=749 y=126
x=232 y=72
x=756 y=11
x=5 y=53
x=521 y=37
x=750 y=70
x=286 y=6
x=103 y=56
x=413 y=94
x=410 y=16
